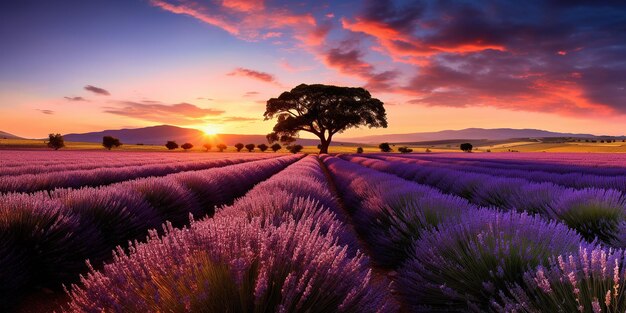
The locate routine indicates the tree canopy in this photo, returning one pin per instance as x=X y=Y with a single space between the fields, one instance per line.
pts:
x=467 y=147
x=56 y=141
x=109 y=142
x=324 y=111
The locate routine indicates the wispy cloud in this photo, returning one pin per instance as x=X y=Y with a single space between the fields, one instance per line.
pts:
x=75 y=98
x=97 y=90
x=180 y=113
x=44 y=111
x=262 y=76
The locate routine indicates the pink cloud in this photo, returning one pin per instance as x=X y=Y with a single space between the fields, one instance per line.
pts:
x=262 y=76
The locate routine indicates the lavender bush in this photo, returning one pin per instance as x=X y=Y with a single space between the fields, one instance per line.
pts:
x=591 y=280
x=232 y=265
x=463 y=266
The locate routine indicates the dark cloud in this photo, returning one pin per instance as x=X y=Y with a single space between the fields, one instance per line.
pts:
x=75 y=98
x=97 y=90
x=262 y=76
x=552 y=56
x=181 y=113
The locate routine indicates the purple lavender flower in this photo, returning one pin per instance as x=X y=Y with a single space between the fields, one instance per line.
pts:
x=463 y=266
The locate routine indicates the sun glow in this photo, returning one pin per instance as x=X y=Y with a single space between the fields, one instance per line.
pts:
x=210 y=130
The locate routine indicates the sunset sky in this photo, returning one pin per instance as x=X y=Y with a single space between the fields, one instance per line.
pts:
x=88 y=65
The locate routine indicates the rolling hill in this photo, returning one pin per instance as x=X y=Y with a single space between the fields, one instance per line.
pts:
x=468 y=134
x=157 y=135
x=5 y=135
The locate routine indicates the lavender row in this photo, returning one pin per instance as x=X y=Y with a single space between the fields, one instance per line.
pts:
x=450 y=255
x=600 y=160
x=594 y=213
x=87 y=164
x=573 y=180
x=298 y=192
x=47 y=237
x=104 y=176
x=537 y=168
x=281 y=248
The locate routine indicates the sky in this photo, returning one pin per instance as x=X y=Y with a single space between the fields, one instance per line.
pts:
x=72 y=66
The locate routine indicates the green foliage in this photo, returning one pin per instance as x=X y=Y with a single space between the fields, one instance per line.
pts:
x=385 y=147
x=186 y=146
x=467 y=147
x=405 y=150
x=109 y=142
x=263 y=147
x=275 y=147
x=55 y=141
x=294 y=148
x=323 y=110
x=171 y=145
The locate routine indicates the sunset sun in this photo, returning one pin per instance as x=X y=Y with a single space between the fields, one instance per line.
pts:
x=209 y=130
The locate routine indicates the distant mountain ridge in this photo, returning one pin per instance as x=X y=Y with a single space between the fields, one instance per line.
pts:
x=156 y=135
x=469 y=134
x=8 y=135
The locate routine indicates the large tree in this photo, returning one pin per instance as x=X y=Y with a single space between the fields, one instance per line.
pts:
x=324 y=111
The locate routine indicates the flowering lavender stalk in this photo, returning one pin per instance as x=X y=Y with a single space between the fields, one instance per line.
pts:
x=41 y=243
x=46 y=240
x=229 y=264
x=463 y=266
x=592 y=212
x=389 y=212
x=300 y=191
x=591 y=280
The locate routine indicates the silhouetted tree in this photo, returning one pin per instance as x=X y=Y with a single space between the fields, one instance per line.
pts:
x=466 y=147
x=239 y=146
x=221 y=147
x=427 y=150
x=275 y=147
x=250 y=147
x=295 y=148
x=55 y=141
x=323 y=110
x=186 y=146
x=359 y=150
x=384 y=147
x=171 y=145
x=405 y=150
x=263 y=147
x=109 y=142
x=207 y=146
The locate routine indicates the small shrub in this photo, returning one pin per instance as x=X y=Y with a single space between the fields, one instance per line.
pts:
x=263 y=147
x=295 y=148
x=55 y=141
x=109 y=142
x=405 y=150
x=171 y=145
x=359 y=150
x=186 y=146
x=384 y=147
x=275 y=147
x=239 y=146
x=250 y=147
x=466 y=147
x=427 y=150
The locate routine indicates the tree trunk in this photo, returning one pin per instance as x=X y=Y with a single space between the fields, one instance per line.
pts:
x=324 y=144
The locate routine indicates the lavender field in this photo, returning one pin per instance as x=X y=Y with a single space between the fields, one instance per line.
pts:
x=266 y=232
